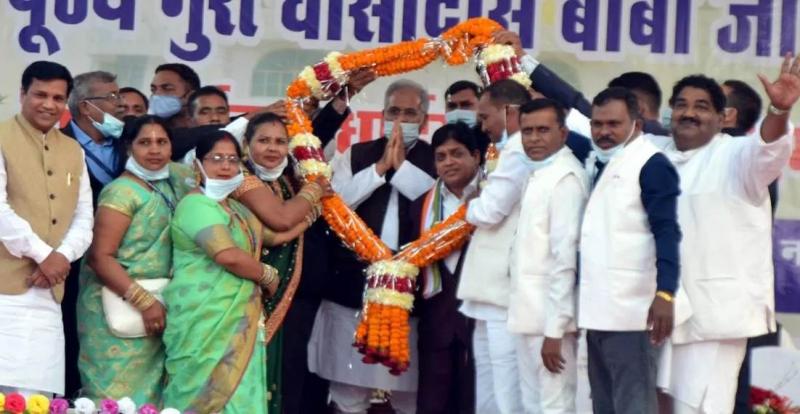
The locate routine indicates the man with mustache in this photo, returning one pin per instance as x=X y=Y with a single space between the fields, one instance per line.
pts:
x=629 y=261
x=727 y=285
x=541 y=309
x=45 y=223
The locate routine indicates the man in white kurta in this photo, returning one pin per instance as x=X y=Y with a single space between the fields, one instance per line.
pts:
x=727 y=285
x=541 y=308
x=485 y=284
x=378 y=179
x=45 y=223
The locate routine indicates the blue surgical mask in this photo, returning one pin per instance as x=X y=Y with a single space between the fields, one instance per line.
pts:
x=503 y=141
x=410 y=131
x=136 y=169
x=164 y=106
x=605 y=155
x=111 y=126
x=217 y=189
x=462 y=115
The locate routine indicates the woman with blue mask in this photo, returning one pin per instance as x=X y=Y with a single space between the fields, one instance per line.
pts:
x=214 y=337
x=132 y=243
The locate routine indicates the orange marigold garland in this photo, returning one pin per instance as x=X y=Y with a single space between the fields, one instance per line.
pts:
x=382 y=334
x=439 y=241
x=353 y=232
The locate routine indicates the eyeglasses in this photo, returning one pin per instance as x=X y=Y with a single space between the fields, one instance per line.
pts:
x=112 y=97
x=219 y=159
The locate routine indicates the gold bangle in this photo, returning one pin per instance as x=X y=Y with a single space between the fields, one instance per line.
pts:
x=665 y=295
x=139 y=298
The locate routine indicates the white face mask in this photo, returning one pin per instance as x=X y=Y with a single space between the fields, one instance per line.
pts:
x=462 y=115
x=270 y=174
x=537 y=165
x=136 y=169
x=410 y=131
x=605 y=155
x=217 y=189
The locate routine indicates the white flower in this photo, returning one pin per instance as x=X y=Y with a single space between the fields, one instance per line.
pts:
x=170 y=411
x=84 y=405
x=126 y=406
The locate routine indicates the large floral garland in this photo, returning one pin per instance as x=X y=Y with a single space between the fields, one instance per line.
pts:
x=382 y=334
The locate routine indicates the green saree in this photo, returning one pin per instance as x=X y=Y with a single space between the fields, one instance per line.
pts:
x=287 y=258
x=113 y=367
x=214 y=338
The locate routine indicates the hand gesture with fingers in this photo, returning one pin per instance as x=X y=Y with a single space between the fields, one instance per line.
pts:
x=785 y=90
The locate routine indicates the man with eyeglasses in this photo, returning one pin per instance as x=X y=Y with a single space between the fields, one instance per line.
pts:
x=379 y=179
x=92 y=104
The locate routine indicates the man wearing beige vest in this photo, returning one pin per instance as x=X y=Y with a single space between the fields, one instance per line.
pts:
x=45 y=223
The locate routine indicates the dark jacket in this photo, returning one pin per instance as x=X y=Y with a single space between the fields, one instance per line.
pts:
x=121 y=155
x=440 y=322
x=346 y=274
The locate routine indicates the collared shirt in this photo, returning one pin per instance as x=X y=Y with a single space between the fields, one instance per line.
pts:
x=660 y=186
x=354 y=189
x=19 y=239
x=103 y=152
x=450 y=203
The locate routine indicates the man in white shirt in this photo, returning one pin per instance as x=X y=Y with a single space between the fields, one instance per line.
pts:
x=45 y=223
x=541 y=309
x=484 y=287
x=379 y=180
x=446 y=365
x=727 y=285
x=628 y=256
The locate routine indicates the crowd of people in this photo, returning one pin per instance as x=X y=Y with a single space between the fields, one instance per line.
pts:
x=648 y=245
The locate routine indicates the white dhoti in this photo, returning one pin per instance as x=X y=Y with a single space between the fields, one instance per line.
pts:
x=702 y=377
x=31 y=342
x=331 y=355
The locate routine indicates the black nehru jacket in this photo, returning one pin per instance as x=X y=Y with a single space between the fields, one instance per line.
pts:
x=346 y=284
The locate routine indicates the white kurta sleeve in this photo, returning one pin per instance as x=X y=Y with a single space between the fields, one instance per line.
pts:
x=759 y=163
x=79 y=234
x=237 y=128
x=565 y=210
x=411 y=181
x=16 y=233
x=502 y=191
x=353 y=189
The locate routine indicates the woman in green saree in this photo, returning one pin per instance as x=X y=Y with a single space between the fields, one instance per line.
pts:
x=131 y=243
x=214 y=337
x=268 y=148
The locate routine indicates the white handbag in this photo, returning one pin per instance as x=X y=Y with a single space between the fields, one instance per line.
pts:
x=123 y=319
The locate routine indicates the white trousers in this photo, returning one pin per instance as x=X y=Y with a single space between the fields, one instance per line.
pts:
x=496 y=373
x=544 y=392
x=702 y=377
x=352 y=399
